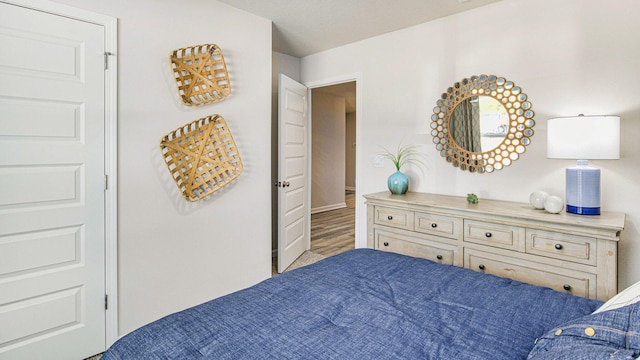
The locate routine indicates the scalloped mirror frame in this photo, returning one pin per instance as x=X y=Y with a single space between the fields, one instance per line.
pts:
x=517 y=137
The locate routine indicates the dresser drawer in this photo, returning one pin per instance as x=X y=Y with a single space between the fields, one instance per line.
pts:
x=573 y=282
x=397 y=218
x=562 y=246
x=439 y=225
x=507 y=238
x=497 y=235
x=407 y=245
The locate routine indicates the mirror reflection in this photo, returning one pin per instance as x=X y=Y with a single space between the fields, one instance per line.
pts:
x=482 y=123
x=479 y=123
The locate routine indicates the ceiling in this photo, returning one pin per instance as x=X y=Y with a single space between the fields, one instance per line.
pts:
x=305 y=27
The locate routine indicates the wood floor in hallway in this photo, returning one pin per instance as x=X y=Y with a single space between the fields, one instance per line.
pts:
x=333 y=232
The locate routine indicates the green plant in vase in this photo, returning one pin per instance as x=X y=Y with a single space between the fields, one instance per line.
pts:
x=398 y=182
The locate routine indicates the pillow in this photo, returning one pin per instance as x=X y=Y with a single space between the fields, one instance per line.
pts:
x=611 y=334
x=628 y=296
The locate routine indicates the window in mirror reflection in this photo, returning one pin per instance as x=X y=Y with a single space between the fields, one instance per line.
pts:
x=494 y=122
x=479 y=123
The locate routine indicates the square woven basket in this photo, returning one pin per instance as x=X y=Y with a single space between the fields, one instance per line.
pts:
x=201 y=157
x=201 y=74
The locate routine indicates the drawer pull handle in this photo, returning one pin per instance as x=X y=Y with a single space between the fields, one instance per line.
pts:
x=481 y=267
x=558 y=246
x=434 y=225
x=389 y=217
x=386 y=243
x=488 y=234
x=566 y=287
x=439 y=257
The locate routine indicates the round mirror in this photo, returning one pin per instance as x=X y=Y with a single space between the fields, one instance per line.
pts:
x=482 y=123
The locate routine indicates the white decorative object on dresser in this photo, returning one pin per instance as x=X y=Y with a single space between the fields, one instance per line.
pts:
x=566 y=252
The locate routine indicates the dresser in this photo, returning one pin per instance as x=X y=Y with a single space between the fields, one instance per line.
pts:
x=566 y=252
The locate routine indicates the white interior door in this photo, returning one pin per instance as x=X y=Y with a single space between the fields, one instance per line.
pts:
x=52 y=170
x=293 y=171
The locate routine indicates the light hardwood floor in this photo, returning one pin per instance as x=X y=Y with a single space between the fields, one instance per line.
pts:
x=332 y=232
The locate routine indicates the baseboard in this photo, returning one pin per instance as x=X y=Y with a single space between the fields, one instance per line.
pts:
x=328 y=208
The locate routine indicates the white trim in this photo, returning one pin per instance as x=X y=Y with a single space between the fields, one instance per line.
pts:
x=111 y=146
x=111 y=169
x=328 y=208
x=361 y=241
x=63 y=10
x=307 y=217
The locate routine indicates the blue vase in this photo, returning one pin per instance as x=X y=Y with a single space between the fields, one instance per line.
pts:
x=398 y=183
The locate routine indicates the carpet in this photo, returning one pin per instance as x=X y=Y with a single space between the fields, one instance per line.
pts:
x=308 y=257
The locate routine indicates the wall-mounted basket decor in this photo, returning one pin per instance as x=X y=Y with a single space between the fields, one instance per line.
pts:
x=202 y=157
x=200 y=74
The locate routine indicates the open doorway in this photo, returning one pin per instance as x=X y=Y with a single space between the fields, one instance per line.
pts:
x=333 y=169
x=346 y=209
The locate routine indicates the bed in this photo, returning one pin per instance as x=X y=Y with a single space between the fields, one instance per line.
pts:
x=370 y=304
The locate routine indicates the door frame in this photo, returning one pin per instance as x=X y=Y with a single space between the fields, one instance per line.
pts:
x=110 y=25
x=360 y=206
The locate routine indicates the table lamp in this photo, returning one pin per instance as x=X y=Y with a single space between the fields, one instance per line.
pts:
x=583 y=138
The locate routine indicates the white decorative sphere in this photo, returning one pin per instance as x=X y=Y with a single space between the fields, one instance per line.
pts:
x=537 y=199
x=554 y=204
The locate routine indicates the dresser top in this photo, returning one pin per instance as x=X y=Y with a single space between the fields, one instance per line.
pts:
x=606 y=220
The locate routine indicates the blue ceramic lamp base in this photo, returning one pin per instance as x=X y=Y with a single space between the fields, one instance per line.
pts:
x=583 y=189
x=583 y=210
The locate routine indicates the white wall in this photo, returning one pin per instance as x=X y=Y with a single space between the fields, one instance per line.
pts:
x=328 y=128
x=174 y=254
x=285 y=64
x=350 y=152
x=570 y=57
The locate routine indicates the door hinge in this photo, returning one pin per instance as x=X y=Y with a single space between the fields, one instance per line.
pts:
x=106 y=59
x=106 y=302
x=106 y=182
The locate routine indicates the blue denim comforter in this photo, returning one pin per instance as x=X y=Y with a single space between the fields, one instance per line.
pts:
x=363 y=304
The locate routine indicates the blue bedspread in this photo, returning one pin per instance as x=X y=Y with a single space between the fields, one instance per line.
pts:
x=363 y=304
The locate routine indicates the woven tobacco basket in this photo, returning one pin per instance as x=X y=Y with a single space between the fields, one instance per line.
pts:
x=200 y=74
x=201 y=157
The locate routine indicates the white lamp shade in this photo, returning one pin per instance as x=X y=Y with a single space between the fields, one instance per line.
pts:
x=583 y=137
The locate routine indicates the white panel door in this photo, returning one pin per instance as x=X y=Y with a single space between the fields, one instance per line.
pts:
x=294 y=234
x=52 y=243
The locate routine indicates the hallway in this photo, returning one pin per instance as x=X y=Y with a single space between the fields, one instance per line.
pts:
x=333 y=232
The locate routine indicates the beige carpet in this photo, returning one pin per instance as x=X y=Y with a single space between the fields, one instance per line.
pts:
x=308 y=257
